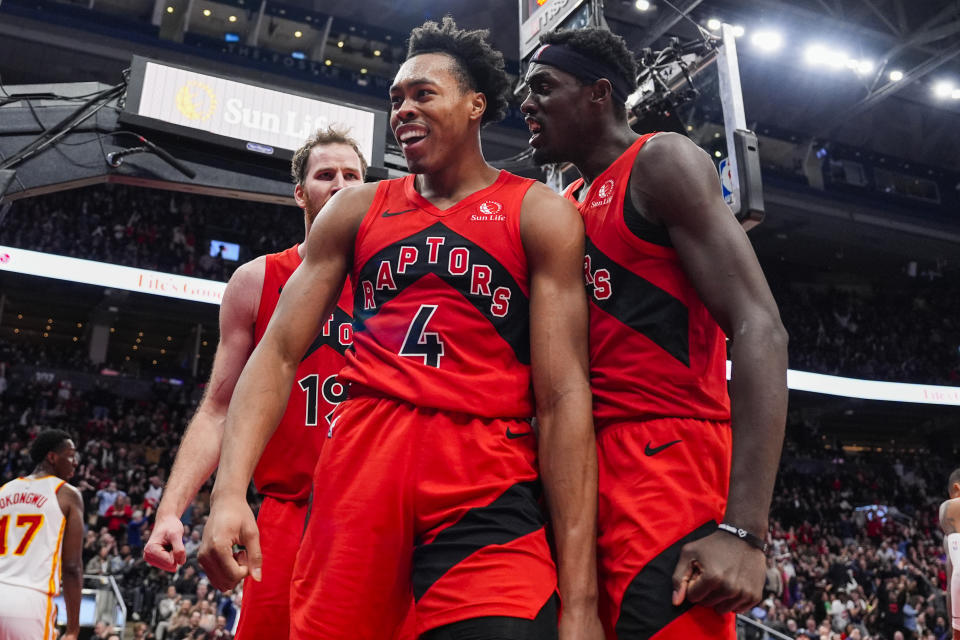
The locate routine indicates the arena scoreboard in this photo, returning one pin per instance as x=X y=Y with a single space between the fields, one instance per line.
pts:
x=254 y=118
x=543 y=16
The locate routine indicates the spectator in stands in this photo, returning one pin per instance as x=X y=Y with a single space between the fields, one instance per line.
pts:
x=107 y=496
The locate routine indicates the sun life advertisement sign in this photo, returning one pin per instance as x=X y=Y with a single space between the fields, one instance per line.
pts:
x=265 y=119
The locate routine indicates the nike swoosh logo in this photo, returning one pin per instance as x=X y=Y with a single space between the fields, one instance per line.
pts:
x=652 y=451
x=514 y=436
x=387 y=214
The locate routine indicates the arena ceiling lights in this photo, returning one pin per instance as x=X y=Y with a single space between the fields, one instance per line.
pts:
x=824 y=57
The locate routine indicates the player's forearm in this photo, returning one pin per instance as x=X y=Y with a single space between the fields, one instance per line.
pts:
x=758 y=391
x=568 y=468
x=71 y=584
x=196 y=460
x=257 y=405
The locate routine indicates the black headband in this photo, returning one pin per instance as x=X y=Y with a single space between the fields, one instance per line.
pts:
x=586 y=69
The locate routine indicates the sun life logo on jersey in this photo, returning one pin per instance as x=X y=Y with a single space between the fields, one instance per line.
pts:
x=489 y=210
x=604 y=194
x=196 y=101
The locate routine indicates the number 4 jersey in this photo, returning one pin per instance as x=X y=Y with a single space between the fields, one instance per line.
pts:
x=285 y=470
x=441 y=300
x=31 y=533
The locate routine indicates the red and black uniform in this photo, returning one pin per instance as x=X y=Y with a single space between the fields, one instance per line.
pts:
x=658 y=375
x=428 y=489
x=284 y=473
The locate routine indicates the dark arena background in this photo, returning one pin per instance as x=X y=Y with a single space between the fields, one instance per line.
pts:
x=845 y=170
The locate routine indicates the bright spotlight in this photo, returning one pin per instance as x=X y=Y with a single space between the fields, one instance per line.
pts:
x=942 y=89
x=896 y=75
x=232 y=18
x=738 y=31
x=169 y=9
x=642 y=5
x=864 y=67
x=714 y=24
x=207 y=12
x=816 y=55
x=768 y=41
x=298 y=34
x=955 y=94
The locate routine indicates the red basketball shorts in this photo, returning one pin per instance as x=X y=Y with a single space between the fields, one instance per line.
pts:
x=663 y=483
x=415 y=505
x=265 y=610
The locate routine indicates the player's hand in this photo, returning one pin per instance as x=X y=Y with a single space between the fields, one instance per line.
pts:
x=719 y=571
x=164 y=549
x=231 y=522
x=70 y=635
x=580 y=623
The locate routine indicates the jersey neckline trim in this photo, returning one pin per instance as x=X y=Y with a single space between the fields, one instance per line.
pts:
x=410 y=191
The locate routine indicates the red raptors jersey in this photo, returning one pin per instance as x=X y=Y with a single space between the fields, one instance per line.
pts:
x=285 y=470
x=655 y=350
x=441 y=300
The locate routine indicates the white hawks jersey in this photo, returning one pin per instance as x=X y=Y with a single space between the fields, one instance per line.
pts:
x=31 y=533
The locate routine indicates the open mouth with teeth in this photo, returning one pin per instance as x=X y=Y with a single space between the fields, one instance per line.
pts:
x=410 y=135
x=535 y=128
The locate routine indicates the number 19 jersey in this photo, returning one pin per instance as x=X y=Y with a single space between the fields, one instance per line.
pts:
x=285 y=470
x=441 y=301
x=31 y=533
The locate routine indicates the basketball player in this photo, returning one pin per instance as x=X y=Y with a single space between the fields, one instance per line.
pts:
x=328 y=162
x=950 y=523
x=467 y=292
x=41 y=543
x=669 y=274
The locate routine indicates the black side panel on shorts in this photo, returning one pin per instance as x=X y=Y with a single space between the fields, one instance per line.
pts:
x=543 y=627
x=646 y=607
x=513 y=515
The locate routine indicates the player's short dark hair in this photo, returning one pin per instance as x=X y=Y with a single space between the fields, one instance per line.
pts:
x=601 y=45
x=334 y=134
x=47 y=441
x=479 y=67
x=954 y=477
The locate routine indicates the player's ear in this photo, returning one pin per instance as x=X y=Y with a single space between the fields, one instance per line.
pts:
x=299 y=196
x=478 y=105
x=601 y=91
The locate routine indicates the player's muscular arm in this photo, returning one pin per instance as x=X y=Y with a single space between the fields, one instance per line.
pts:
x=677 y=183
x=950 y=524
x=200 y=448
x=71 y=577
x=262 y=390
x=553 y=239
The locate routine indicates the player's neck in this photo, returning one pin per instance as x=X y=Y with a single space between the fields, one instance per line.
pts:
x=604 y=148
x=456 y=181
x=307 y=224
x=41 y=472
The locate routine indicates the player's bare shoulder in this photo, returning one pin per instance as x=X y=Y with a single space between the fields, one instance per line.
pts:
x=69 y=496
x=541 y=205
x=950 y=516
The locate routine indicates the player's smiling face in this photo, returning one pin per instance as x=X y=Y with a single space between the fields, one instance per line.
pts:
x=430 y=112
x=554 y=112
